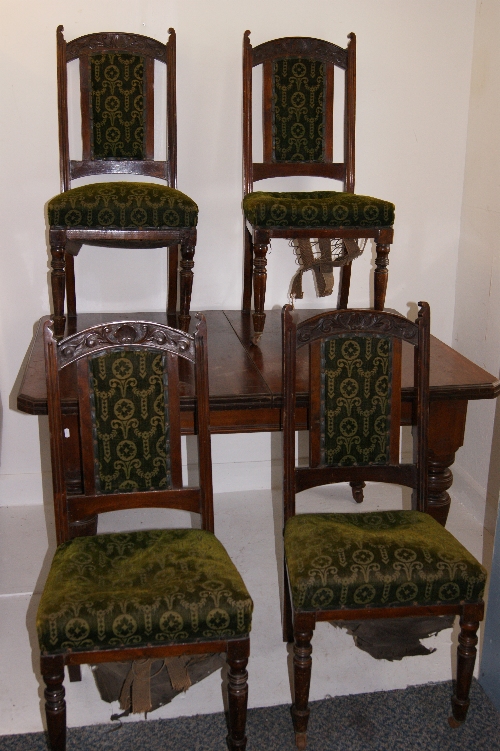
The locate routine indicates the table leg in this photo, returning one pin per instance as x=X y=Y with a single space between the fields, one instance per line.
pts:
x=446 y=435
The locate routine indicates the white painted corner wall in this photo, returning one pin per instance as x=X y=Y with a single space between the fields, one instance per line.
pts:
x=476 y=328
x=417 y=119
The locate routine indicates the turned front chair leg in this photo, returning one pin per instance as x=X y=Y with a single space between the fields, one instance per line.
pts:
x=186 y=284
x=237 y=659
x=381 y=274
x=58 y=283
x=466 y=657
x=259 y=289
x=55 y=705
x=302 y=664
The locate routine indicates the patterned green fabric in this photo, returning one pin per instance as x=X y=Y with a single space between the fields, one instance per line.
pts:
x=122 y=205
x=381 y=559
x=141 y=588
x=321 y=208
x=298 y=110
x=356 y=374
x=117 y=106
x=129 y=393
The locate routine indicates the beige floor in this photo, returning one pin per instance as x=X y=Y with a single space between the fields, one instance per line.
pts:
x=248 y=523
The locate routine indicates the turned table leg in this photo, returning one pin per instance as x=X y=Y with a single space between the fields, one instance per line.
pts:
x=446 y=435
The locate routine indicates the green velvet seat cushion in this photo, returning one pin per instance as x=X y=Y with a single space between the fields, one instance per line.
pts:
x=141 y=588
x=321 y=208
x=122 y=205
x=380 y=559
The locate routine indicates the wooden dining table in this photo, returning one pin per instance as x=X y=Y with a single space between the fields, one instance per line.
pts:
x=246 y=389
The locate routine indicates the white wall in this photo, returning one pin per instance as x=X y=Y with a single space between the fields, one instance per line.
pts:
x=414 y=63
x=477 y=307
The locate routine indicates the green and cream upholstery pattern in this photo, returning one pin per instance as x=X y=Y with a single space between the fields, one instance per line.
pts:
x=321 y=208
x=141 y=588
x=356 y=376
x=380 y=559
x=117 y=106
x=129 y=396
x=122 y=205
x=298 y=110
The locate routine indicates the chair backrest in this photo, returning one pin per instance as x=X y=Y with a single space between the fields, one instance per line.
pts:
x=117 y=105
x=297 y=108
x=355 y=399
x=129 y=416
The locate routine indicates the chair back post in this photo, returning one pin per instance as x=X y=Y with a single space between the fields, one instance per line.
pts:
x=350 y=115
x=170 y=59
x=247 y=115
x=62 y=109
x=422 y=357
x=289 y=330
x=203 y=424
x=56 y=431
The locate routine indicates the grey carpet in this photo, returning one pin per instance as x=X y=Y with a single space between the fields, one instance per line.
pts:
x=403 y=720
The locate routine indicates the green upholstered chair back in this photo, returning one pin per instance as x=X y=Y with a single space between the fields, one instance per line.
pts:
x=298 y=108
x=117 y=105
x=129 y=387
x=357 y=401
x=355 y=398
x=130 y=421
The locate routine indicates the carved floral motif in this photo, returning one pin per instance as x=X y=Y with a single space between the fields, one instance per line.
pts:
x=125 y=333
x=357 y=320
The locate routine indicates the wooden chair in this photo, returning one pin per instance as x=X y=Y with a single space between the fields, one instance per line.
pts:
x=117 y=109
x=354 y=566
x=297 y=104
x=148 y=594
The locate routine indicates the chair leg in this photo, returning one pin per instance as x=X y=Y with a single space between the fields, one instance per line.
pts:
x=287 y=611
x=70 y=285
x=259 y=290
x=58 y=283
x=237 y=659
x=186 y=284
x=357 y=491
x=344 y=286
x=75 y=673
x=381 y=274
x=55 y=706
x=173 y=263
x=465 y=666
x=247 y=272
x=302 y=664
